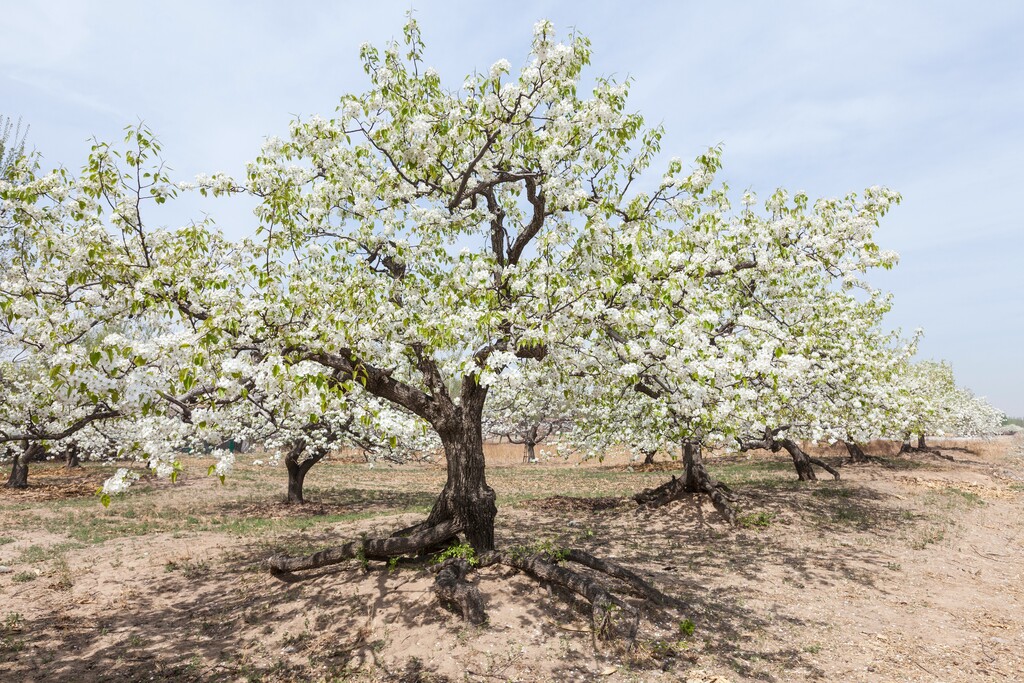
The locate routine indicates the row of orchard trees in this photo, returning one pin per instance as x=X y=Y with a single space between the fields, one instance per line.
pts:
x=430 y=260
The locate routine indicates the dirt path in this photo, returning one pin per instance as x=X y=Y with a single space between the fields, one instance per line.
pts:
x=906 y=570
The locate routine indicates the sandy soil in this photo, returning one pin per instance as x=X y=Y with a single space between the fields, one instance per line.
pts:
x=908 y=569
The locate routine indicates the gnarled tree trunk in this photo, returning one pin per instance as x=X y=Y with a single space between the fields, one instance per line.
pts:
x=649 y=457
x=297 y=468
x=695 y=479
x=804 y=463
x=857 y=453
x=466 y=498
x=530 y=455
x=921 y=445
x=19 y=468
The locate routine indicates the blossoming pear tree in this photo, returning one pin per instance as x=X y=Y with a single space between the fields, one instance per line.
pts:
x=528 y=406
x=934 y=404
x=302 y=421
x=410 y=249
x=59 y=372
x=717 y=314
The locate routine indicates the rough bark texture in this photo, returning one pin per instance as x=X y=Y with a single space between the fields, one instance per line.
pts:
x=466 y=499
x=530 y=455
x=804 y=463
x=622 y=574
x=921 y=445
x=366 y=549
x=857 y=454
x=19 y=468
x=695 y=480
x=611 y=616
x=649 y=457
x=451 y=589
x=603 y=605
x=298 y=468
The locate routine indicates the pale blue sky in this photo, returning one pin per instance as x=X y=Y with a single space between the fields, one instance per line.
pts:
x=826 y=97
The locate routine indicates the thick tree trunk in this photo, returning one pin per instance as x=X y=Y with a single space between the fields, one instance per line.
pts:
x=296 y=474
x=905 y=447
x=71 y=459
x=466 y=498
x=297 y=469
x=921 y=445
x=857 y=453
x=296 y=477
x=649 y=457
x=804 y=463
x=695 y=479
x=19 y=469
x=530 y=455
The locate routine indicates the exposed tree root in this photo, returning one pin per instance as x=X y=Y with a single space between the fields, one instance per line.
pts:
x=611 y=616
x=906 y=449
x=451 y=588
x=622 y=574
x=695 y=480
x=367 y=548
x=604 y=606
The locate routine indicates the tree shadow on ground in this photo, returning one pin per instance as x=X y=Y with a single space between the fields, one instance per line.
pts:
x=330 y=501
x=198 y=623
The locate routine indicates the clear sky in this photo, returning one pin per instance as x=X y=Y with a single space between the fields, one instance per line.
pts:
x=826 y=97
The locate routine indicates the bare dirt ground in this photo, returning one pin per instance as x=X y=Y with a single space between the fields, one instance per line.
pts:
x=910 y=568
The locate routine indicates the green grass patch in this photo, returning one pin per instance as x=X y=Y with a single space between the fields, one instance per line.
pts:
x=757 y=520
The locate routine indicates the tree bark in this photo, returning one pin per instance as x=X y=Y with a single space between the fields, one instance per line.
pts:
x=857 y=453
x=71 y=459
x=296 y=474
x=921 y=445
x=297 y=469
x=649 y=457
x=804 y=463
x=530 y=455
x=466 y=499
x=695 y=480
x=19 y=469
x=451 y=588
x=366 y=549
